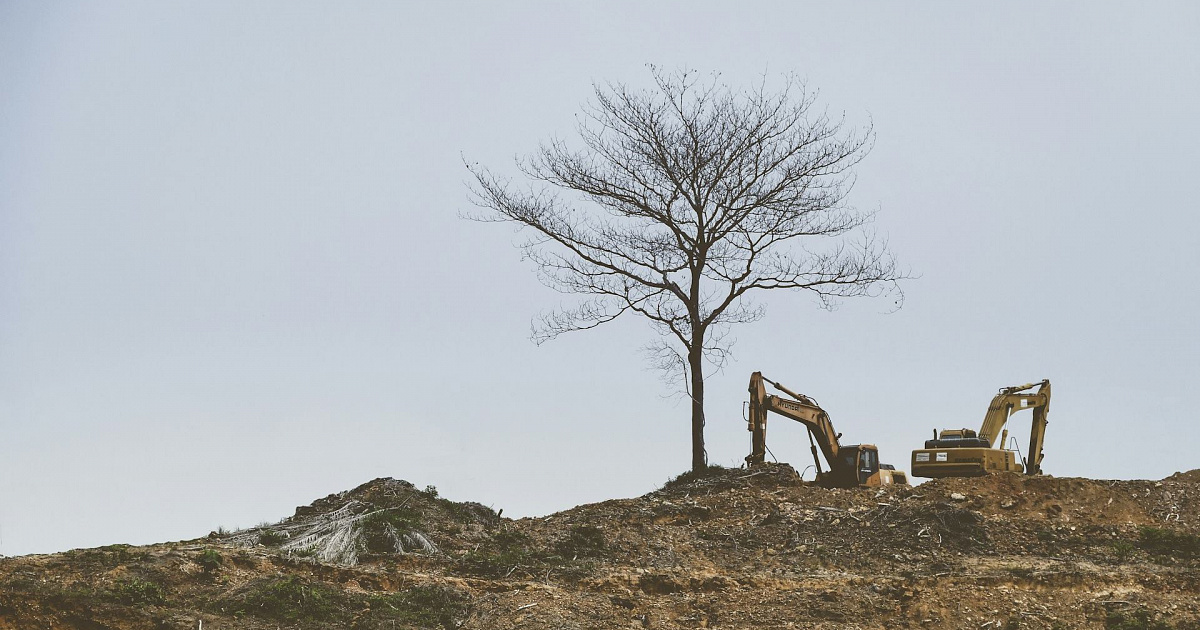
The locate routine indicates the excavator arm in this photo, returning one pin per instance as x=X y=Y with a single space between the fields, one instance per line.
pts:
x=1037 y=435
x=1011 y=400
x=802 y=409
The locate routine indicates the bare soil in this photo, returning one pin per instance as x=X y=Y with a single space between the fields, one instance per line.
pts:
x=734 y=549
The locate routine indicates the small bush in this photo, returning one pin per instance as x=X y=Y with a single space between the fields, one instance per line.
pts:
x=272 y=538
x=1164 y=542
x=685 y=478
x=1122 y=551
x=431 y=492
x=469 y=512
x=291 y=599
x=209 y=560
x=137 y=592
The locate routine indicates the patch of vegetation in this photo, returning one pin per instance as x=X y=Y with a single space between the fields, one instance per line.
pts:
x=138 y=592
x=468 y=512
x=682 y=479
x=501 y=556
x=1013 y=623
x=68 y=596
x=19 y=583
x=108 y=555
x=1141 y=619
x=291 y=598
x=510 y=553
x=382 y=530
x=1164 y=542
x=1123 y=551
x=243 y=559
x=209 y=560
x=271 y=538
x=420 y=606
x=583 y=541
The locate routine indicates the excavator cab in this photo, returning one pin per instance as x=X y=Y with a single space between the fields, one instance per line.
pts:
x=862 y=460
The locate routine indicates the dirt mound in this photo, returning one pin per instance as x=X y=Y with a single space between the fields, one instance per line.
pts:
x=383 y=516
x=1190 y=477
x=726 y=548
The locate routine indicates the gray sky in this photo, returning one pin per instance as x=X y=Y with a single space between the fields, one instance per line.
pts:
x=233 y=276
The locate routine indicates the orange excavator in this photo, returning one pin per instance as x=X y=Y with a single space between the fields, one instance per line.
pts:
x=850 y=466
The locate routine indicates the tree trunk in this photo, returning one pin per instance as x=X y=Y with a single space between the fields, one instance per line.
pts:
x=696 y=367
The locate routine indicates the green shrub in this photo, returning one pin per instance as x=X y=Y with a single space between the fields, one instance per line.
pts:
x=137 y=592
x=1164 y=542
x=209 y=560
x=271 y=538
x=469 y=512
x=291 y=598
x=1122 y=551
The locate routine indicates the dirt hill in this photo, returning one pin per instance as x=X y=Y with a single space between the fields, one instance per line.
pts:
x=731 y=549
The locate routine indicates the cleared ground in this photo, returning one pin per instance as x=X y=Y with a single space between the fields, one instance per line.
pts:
x=732 y=549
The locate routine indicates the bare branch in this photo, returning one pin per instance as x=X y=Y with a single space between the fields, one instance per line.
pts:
x=683 y=199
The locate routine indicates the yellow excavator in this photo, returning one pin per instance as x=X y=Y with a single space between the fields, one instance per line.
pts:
x=965 y=453
x=850 y=466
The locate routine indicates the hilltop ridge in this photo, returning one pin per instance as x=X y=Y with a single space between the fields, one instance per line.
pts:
x=734 y=548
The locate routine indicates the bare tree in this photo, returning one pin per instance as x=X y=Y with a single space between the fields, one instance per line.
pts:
x=683 y=199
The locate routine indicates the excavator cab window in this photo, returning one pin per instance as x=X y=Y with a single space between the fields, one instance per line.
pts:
x=868 y=464
x=850 y=459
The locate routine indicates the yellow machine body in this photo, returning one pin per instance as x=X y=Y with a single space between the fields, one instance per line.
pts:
x=965 y=453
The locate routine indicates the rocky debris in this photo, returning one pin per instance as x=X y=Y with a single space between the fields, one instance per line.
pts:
x=728 y=548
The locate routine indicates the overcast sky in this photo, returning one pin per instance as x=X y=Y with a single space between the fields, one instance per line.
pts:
x=233 y=276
